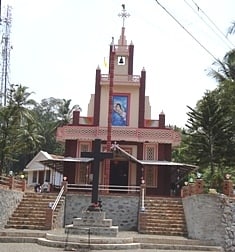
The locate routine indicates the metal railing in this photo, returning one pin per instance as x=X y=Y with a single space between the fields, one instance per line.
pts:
x=58 y=199
x=103 y=188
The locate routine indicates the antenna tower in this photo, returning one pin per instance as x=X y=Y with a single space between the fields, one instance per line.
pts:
x=5 y=54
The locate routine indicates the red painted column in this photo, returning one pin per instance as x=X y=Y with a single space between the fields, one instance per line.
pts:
x=109 y=134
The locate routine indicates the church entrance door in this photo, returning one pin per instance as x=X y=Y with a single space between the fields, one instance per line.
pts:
x=119 y=173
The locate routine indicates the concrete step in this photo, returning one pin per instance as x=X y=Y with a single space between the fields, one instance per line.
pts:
x=176 y=218
x=179 y=247
x=120 y=244
x=27 y=222
x=163 y=229
x=33 y=206
x=164 y=224
x=166 y=211
x=28 y=215
x=93 y=242
x=26 y=226
x=163 y=205
x=164 y=232
x=42 y=197
x=90 y=246
x=130 y=241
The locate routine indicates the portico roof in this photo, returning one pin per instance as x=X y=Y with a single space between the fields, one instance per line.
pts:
x=57 y=162
x=184 y=169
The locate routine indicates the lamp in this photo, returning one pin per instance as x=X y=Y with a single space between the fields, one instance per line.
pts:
x=199 y=175
x=191 y=180
x=227 y=176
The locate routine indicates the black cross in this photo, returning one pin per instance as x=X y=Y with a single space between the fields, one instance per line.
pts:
x=98 y=156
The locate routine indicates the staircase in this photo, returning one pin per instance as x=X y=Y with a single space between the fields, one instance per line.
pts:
x=163 y=216
x=31 y=212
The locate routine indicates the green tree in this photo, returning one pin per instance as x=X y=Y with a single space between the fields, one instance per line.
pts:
x=16 y=120
x=182 y=153
x=210 y=130
x=52 y=113
x=65 y=112
x=225 y=69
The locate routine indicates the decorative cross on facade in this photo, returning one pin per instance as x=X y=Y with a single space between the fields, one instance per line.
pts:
x=123 y=15
x=98 y=157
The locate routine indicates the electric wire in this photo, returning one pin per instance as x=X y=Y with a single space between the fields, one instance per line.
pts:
x=213 y=23
x=189 y=33
x=218 y=32
x=208 y=25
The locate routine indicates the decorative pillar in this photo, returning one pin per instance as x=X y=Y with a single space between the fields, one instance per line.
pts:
x=198 y=186
x=76 y=116
x=24 y=185
x=228 y=187
x=162 y=120
x=49 y=218
x=65 y=184
x=142 y=197
x=11 y=182
x=142 y=99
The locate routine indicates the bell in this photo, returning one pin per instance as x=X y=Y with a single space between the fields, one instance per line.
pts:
x=121 y=60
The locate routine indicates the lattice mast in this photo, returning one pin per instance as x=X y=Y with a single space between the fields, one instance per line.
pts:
x=5 y=53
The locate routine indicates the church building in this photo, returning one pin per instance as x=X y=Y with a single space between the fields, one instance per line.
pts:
x=119 y=114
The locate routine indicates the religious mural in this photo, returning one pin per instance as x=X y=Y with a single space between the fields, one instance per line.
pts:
x=119 y=113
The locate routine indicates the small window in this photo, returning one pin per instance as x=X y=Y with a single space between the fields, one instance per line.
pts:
x=150 y=151
x=84 y=147
x=151 y=175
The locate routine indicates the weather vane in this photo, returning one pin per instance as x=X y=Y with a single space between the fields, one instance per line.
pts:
x=123 y=14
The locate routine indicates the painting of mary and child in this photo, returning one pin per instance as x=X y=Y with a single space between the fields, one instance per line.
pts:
x=119 y=114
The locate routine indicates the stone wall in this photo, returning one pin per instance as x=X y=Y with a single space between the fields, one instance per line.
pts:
x=9 y=199
x=228 y=221
x=123 y=210
x=211 y=217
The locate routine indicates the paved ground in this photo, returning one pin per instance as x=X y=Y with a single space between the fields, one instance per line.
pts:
x=25 y=247
x=31 y=247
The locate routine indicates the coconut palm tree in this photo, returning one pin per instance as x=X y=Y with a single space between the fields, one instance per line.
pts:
x=21 y=105
x=225 y=69
x=65 y=112
x=15 y=120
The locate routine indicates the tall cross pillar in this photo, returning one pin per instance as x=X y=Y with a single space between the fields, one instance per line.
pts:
x=98 y=157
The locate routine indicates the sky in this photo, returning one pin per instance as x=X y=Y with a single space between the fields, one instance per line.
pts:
x=58 y=44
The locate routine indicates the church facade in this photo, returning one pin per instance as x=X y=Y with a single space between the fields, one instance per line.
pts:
x=119 y=114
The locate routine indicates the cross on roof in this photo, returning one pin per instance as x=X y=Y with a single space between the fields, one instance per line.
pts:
x=123 y=15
